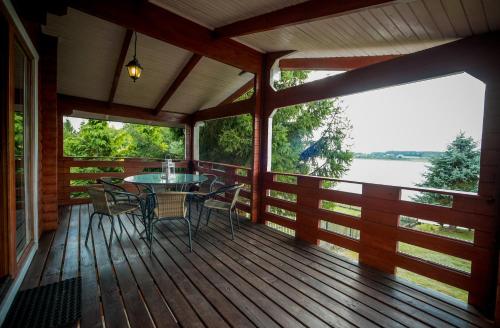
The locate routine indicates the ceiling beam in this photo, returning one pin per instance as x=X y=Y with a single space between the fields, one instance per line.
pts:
x=119 y=65
x=296 y=14
x=238 y=93
x=68 y=104
x=476 y=55
x=227 y=110
x=331 y=63
x=177 y=82
x=161 y=24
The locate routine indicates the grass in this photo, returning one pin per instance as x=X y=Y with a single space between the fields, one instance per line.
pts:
x=435 y=257
x=433 y=284
x=419 y=252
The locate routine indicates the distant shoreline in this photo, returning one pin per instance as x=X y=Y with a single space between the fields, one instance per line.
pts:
x=395 y=159
x=403 y=155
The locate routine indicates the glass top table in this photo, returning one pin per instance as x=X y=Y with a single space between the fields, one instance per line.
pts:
x=153 y=179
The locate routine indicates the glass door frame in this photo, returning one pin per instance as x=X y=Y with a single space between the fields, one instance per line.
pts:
x=17 y=265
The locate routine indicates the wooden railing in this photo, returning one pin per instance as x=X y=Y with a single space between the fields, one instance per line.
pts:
x=228 y=175
x=380 y=208
x=296 y=203
x=71 y=193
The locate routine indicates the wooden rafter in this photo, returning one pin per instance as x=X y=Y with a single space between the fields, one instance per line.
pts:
x=238 y=93
x=177 y=82
x=472 y=55
x=161 y=24
x=67 y=104
x=299 y=13
x=331 y=63
x=119 y=65
x=227 y=110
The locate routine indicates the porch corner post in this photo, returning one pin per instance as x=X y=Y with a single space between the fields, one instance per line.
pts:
x=189 y=145
x=262 y=135
x=51 y=136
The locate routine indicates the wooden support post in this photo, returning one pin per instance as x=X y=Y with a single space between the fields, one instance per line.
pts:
x=307 y=224
x=262 y=134
x=188 y=146
x=50 y=144
x=489 y=185
x=378 y=241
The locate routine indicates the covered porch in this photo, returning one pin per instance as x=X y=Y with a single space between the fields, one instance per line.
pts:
x=263 y=278
x=199 y=60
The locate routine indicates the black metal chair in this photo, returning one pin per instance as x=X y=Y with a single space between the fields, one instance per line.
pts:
x=104 y=204
x=209 y=202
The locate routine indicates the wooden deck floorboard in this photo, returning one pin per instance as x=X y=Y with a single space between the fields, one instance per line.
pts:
x=261 y=279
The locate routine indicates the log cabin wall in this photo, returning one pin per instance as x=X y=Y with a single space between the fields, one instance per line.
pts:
x=49 y=133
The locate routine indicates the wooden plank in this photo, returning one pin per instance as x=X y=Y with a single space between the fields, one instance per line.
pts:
x=475 y=55
x=156 y=303
x=251 y=279
x=55 y=259
x=91 y=304
x=352 y=275
x=71 y=255
x=37 y=266
x=120 y=63
x=69 y=103
x=183 y=74
x=299 y=13
x=149 y=19
x=363 y=315
x=421 y=298
x=112 y=302
x=346 y=277
x=226 y=110
x=220 y=280
x=238 y=93
x=331 y=63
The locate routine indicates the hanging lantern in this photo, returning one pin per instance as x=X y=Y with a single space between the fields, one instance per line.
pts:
x=133 y=67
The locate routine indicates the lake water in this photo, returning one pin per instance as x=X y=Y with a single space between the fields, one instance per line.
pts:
x=388 y=172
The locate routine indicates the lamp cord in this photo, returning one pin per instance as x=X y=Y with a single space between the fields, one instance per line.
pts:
x=135 y=45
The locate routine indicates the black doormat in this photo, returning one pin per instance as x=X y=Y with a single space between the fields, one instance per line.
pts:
x=49 y=306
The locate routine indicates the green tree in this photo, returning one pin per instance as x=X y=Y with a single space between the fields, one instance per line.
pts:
x=308 y=138
x=94 y=139
x=145 y=141
x=456 y=169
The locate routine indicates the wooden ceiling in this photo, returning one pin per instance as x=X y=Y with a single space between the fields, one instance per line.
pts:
x=196 y=60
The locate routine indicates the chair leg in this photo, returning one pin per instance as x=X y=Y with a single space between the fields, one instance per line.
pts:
x=90 y=226
x=199 y=220
x=231 y=224
x=189 y=233
x=208 y=216
x=100 y=221
x=112 y=218
x=237 y=218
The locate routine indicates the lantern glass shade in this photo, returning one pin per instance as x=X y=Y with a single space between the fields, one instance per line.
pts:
x=134 y=69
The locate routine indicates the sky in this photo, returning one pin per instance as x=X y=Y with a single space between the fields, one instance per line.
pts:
x=425 y=115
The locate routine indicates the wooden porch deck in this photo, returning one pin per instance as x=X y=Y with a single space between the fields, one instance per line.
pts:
x=262 y=278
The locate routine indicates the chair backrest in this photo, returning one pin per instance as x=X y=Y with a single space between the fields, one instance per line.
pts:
x=207 y=185
x=109 y=184
x=237 y=190
x=99 y=200
x=171 y=204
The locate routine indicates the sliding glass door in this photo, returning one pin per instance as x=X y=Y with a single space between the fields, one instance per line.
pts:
x=22 y=146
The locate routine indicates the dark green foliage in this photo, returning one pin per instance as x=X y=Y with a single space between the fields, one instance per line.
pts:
x=296 y=147
x=455 y=169
x=96 y=138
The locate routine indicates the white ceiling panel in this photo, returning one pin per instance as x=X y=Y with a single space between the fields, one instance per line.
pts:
x=209 y=83
x=216 y=13
x=161 y=62
x=87 y=53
